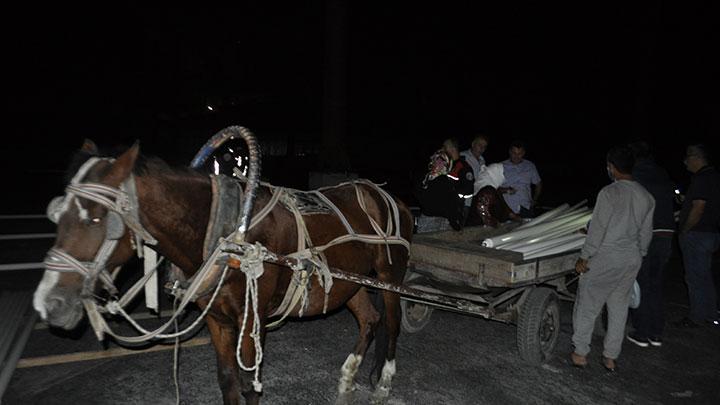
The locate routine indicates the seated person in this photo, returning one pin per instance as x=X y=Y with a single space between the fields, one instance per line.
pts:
x=488 y=206
x=448 y=181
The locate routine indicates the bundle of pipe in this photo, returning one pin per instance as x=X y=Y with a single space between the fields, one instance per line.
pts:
x=574 y=221
x=576 y=244
x=544 y=217
x=553 y=232
x=554 y=214
x=558 y=227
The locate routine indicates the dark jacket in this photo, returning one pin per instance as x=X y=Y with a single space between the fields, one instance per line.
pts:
x=705 y=185
x=657 y=182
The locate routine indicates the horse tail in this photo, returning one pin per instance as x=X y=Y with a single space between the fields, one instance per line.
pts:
x=382 y=340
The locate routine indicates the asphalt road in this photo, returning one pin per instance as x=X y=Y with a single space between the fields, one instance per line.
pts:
x=455 y=359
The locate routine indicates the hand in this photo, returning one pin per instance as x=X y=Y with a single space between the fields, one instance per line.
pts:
x=581 y=266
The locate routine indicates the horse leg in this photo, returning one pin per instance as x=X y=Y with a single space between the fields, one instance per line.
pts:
x=389 y=339
x=367 y=317
x=224 y=338
x=247 y=355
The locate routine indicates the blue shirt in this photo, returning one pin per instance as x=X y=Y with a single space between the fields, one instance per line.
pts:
x=519 y=176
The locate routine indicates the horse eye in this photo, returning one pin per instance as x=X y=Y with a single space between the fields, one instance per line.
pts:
x=96 y=220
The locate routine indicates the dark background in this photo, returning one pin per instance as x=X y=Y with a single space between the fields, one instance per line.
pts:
x=369 y=87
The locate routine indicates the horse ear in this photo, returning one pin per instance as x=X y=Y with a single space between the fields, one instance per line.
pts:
x=123 y=165
x=89 y=146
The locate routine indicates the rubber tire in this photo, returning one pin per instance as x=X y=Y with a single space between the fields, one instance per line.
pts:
x=414 y=315
x=538 y=326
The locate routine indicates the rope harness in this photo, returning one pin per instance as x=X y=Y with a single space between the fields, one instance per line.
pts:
x=309 y=260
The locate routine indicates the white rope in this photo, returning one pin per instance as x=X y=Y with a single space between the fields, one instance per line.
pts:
x=252 y=267
x=176 y=352
x=116 y=309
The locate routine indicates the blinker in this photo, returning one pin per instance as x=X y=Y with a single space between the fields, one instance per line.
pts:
x=115 y=228
x=54 y=209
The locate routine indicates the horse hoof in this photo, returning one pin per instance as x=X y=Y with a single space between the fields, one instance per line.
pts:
x=380 y=395
x=345 y=398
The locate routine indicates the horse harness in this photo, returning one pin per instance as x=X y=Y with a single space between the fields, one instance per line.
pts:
x=308 y=260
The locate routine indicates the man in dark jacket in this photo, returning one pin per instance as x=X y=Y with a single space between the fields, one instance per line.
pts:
x=649 y=318
x=700 y=237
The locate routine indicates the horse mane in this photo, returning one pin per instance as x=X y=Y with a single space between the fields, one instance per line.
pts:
x=143 y=166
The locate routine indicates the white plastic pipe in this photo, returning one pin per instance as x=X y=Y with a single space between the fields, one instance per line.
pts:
x=552 y=246
x=578 y=205
x=501 y=241
x=531 y=231
x=553 y=233
x=558 y=249
x=573 y=212
x=548 y=243
x=544 y=217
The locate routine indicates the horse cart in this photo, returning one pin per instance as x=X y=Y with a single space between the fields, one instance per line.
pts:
x=260 y=242
x=491 y=283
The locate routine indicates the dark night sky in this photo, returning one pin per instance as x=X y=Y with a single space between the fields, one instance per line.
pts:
x=571 y=80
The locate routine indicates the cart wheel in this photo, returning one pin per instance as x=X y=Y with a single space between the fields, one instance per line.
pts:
x=414 y=315
x=538 y=325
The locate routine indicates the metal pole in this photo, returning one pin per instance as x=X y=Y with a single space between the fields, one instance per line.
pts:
x=19 y=236
x=21 y=266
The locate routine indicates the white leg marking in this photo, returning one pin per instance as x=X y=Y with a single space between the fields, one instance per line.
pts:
x=348 y=370
x=382 y=390
x=48 y=282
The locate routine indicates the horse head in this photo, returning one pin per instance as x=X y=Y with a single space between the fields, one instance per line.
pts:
x=91 y=237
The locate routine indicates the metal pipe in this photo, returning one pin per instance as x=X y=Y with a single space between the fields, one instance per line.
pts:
x=21 y=266
x=18 y=343
x=27 y=236
x=24 y=216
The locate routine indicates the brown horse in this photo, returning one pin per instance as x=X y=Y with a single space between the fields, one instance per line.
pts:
x=174 y=209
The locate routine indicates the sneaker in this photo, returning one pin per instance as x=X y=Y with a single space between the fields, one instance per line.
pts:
x=642 y=342
x=655 y=341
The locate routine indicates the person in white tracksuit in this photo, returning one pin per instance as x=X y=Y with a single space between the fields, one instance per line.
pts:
x=618 y=237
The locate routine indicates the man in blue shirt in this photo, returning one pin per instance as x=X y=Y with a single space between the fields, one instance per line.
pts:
x=520 y=176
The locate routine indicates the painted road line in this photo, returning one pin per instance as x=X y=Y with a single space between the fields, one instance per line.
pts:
x=105 y=354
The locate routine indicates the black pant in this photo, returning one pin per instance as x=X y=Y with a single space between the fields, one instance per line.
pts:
x=649 y=318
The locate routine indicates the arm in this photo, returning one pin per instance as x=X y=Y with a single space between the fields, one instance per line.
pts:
x=536 y=193
x=598 y=226
x=596 y=233
x=696 y=211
